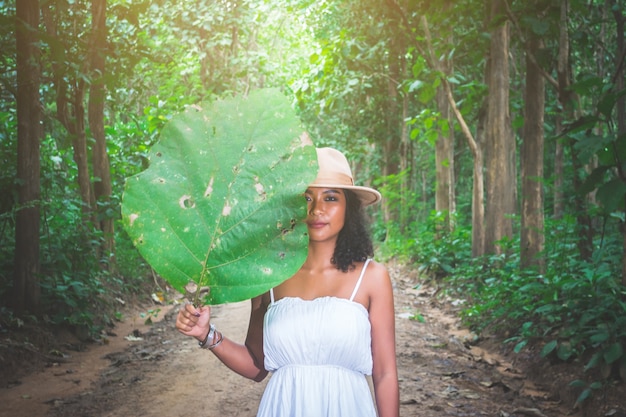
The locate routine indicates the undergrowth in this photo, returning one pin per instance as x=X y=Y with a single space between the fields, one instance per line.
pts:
x=575 y=309
x=81 y=286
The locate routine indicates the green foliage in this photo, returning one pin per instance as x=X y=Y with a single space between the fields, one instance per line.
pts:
x=8 y=196
x=71 y=280
x=351 y=64
x=575 y=311
x=431 y=245
x=221 y=203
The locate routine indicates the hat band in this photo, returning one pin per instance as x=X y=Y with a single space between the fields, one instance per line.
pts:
x=338 y=178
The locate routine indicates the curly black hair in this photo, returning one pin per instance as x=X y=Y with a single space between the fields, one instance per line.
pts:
x=354 y=243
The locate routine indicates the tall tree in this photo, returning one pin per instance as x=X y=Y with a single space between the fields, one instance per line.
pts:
x=532 y=222
x=620 y=84
x=478 y=182
x=101 y=167
x=395 y=145
x=70 y=85
x=26 y=289
x=499 y=140
x=445 y=200
x=569 y=101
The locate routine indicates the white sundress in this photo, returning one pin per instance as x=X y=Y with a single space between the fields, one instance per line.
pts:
x=319 y=352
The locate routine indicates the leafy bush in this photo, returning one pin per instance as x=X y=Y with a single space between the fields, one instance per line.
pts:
x=576 y=310
x=78 y=282
x=436 y=250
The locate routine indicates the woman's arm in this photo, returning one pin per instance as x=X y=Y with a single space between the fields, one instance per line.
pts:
x=244 y=359
x=382 y=319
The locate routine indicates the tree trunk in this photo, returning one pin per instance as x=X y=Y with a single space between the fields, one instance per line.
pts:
x=478 y=208
x=532 y=233
x=569 y=103
x=101 y=167
x=559 y=203
x=444 y=160
x=393 y=121
x=499 y=140
x=405 y=144
x=478 y=189
x=70 y=111
x=26 y=289
x=620 y=80
x=76 y=129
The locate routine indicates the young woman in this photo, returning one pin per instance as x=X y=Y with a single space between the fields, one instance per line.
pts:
x=321 y=331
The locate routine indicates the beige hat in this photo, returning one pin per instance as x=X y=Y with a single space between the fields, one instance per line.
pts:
x=334 y=172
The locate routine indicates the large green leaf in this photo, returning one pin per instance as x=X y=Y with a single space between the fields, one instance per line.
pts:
x=221 y=205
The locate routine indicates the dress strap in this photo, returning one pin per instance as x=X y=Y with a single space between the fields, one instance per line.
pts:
x=272 y=295
x=358 y=283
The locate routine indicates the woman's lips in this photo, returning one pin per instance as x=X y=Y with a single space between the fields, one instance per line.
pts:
x=316 y=225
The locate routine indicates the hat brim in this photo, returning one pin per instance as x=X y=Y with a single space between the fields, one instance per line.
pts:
x=368 y=196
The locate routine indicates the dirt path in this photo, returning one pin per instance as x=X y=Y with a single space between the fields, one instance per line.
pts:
x=164 y=374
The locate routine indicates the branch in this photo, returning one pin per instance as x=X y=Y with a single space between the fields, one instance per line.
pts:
x=457 y=113
x=530 y=54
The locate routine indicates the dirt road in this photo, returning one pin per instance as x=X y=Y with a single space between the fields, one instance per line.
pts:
x=157 y=372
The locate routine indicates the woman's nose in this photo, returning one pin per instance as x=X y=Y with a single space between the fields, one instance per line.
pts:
x=314 y=208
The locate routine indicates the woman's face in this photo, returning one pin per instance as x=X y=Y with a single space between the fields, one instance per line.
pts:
x=326 y=212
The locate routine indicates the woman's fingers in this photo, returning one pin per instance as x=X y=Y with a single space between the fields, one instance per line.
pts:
x=192 y=321
x=187 y=317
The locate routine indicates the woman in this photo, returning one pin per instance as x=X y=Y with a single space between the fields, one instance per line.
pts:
x=322 y=330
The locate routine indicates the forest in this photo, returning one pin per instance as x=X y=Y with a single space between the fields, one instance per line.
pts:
x=494 y=129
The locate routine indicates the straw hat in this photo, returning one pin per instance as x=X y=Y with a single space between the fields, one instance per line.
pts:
x=334 y=172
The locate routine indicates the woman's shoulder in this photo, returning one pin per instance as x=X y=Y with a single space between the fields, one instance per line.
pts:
x=377 y=284
x=376 y=273
x=376 y=267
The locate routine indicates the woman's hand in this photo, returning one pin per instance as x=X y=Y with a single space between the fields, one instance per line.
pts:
x=192 y=321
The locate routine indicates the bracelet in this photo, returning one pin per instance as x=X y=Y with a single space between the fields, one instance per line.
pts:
x=209 y=336
x=220 y=338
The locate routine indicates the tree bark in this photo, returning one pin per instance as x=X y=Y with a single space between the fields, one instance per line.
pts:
x=26 y=289
x=569 y=103
x=70 y=112
x=620 y=80
x=75 y=125
x=478 y=207
x=532 y=222
x=499 y=140
x=558 y=199
x=394 y=125
x=444 y=157
x=405 y=144
x=101 y=167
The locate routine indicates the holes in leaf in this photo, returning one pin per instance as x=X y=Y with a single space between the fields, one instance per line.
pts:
x=292 y=224
x=186 y=202
x=260 y=190
x=209 y=188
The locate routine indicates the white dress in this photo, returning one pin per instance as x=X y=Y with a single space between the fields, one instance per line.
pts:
x=319 y=352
